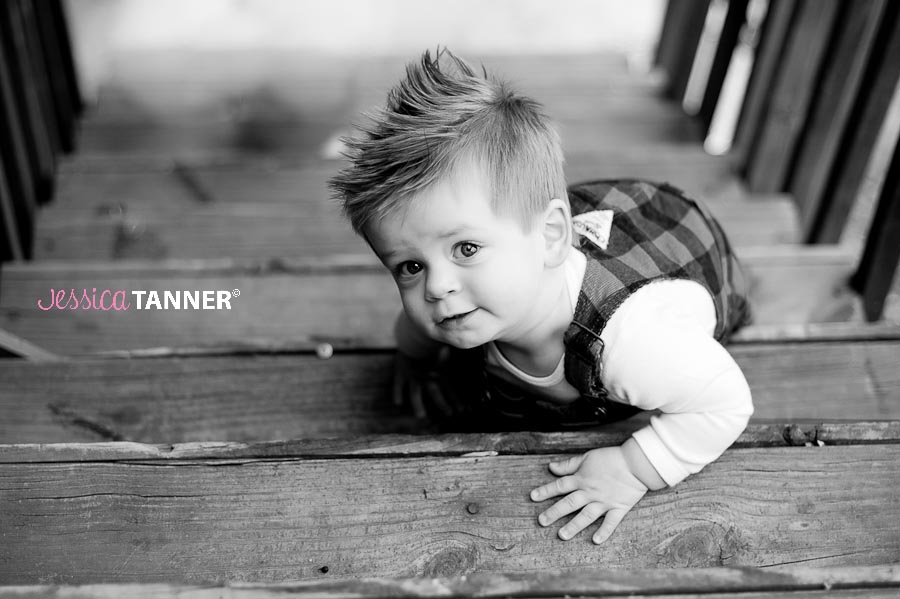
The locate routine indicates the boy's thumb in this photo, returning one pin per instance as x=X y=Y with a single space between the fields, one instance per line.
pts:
x=569 y=466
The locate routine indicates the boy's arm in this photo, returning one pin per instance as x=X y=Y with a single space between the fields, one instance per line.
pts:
x=703 y=397
x=659 y=355
x=416 y=372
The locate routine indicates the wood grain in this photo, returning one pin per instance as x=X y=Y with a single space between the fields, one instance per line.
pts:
x=872 y=582
x=865 y=123
x=280 y=520
x=258 y=398
x=766 y=433
x=120 y=227
x=766 y=63
x=831 y=111
x=277 y=303
x=792 y=95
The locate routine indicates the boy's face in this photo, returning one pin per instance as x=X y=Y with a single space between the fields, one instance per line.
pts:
x=466 y=275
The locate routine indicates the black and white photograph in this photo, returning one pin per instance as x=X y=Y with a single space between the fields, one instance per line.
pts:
x=364 y=299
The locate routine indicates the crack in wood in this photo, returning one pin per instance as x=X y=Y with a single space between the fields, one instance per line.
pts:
x=135 y=495
x=73 y=418
x=809 y=559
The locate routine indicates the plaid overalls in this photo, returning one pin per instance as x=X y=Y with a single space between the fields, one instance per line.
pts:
x=657 y=233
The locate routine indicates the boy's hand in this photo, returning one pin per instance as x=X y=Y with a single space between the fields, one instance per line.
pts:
x=599 y=483
x=417 y=384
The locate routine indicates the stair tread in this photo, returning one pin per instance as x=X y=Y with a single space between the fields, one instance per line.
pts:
x=254 y=398
x=286 y=519
x=327 y=298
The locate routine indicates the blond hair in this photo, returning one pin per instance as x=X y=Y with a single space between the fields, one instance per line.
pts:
x=441 y=114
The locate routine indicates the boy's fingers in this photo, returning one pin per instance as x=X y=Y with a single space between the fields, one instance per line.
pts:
x=436 y=398
x=587 y=516
x=414 y=392
x=568 y=504
x=610 y=522
x=560 y=486
x=569 y=466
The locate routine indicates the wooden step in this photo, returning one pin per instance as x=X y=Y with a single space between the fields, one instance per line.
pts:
x=290 y=176
x=295 y=118
x=861 y=582
x=238 y=67
x=163 y=107
x=325 y=299
x=221 y=516
x=126 y=227
x=254 y=397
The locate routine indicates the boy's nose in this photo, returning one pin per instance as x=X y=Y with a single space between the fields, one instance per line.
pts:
x=439 y=284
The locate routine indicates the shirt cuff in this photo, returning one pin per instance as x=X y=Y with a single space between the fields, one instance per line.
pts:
x=670 y=469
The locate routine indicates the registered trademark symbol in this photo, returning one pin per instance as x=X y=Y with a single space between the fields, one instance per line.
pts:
x=236 y=292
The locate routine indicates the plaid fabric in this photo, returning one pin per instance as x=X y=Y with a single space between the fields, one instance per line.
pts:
x=657 y=233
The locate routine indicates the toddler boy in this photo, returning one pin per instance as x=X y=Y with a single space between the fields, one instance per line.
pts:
x=577 y=306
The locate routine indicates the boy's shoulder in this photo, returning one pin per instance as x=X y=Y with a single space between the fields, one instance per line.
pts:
x=623 y=195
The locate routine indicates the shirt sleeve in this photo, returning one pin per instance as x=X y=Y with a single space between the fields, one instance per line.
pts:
x=660 y=354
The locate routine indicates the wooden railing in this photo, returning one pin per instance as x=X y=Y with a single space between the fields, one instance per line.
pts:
x=39 y=105
x=824 y=76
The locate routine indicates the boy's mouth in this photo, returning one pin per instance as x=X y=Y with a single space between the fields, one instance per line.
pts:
x=455 y=320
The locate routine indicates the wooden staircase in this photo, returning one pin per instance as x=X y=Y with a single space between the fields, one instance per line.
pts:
x=254 y=451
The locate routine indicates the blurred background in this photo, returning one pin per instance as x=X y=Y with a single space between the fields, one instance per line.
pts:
x=115 y=37
x=276 y=78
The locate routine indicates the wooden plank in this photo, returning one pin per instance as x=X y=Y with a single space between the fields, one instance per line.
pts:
x=773 y=36
x=669 y=35
x=10 y=345
x=864 y=124
x=237 y=69
x=870 y=582
x=54 y=40
x=39 y=71
x=275 y=129
x=685 y=165
x=57 y=14
x=27 y=85
x=735 y=19
x=354 y=589
x=828 y=331
x=831 y=111
x=877 y=268
x=11 y=248
x=709 y=178
x=287 y=519
x=684 y=48
x=788 y=433
x=243 y=230
x=279 y=302
x=205 y=398
x=14 y=153
x=769 y=165
x=192 y=223
x=95 y=189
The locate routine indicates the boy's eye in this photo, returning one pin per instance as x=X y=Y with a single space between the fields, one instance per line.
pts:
x=467 y=249
x=409 y=268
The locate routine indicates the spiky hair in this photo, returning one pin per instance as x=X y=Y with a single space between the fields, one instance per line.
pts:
x=440 y=115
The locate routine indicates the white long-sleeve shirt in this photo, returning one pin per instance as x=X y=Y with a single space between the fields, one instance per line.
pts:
x=660 y=354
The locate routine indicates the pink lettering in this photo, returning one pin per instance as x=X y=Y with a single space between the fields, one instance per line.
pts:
x=62 y=299
x=72 y=304
x=119 y=302
x=53 y=301
x=85 y=300
x=103 y=305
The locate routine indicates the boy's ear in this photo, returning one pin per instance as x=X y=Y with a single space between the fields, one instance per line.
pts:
x=557 y=229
